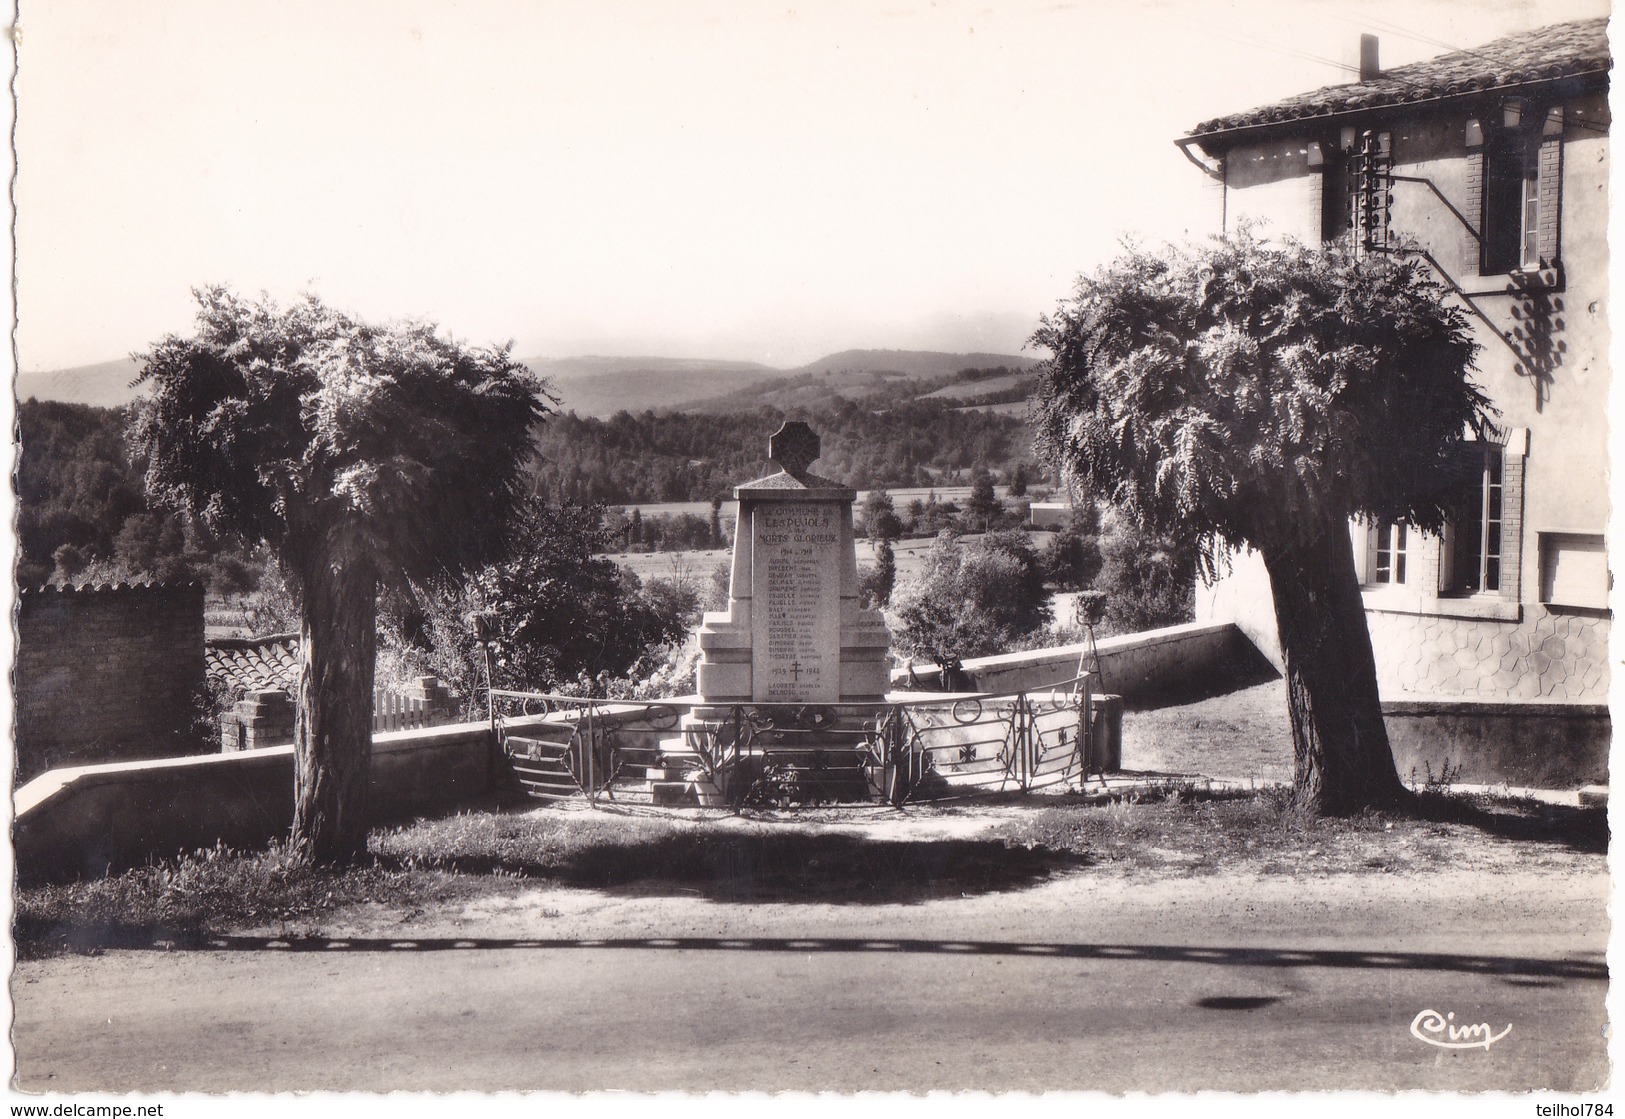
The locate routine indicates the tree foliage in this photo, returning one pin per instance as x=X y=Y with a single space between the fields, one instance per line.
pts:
x=1258 y=395
x=78 y=488
x=556 y=611
x=983 y=505
x=287 y=425
x=875 y=584
x=1246 y=393
x=1148 y=581
x=880 y=520
x=970 y=600
x=364 y=456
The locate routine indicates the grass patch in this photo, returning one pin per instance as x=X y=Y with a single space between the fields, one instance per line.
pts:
x=1265 y=832
x=1244 y=733
x=734 y=861
x=207 y=891
x=433 y=863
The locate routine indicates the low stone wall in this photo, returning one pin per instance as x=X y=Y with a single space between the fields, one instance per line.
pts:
x=1538 y=745
x=1141 y=667
x=89 y=820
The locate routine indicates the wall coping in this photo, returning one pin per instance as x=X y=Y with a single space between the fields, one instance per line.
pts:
x=1492 y=706
x=57 y=781
x=93 y=589
x=1143 y=640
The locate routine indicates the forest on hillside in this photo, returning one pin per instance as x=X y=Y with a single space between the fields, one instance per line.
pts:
x=646 y=457
x=82 y=511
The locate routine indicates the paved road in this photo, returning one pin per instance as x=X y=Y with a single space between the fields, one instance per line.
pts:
x=1082 y=982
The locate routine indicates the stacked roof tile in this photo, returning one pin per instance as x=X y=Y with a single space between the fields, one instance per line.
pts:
x=251 y=664
x=1577 y=50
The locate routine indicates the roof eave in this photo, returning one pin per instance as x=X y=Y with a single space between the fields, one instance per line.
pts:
x=1220 y=140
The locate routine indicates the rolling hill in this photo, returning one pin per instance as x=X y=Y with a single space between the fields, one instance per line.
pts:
x=865 y=374
x=914 y=364
x=106 y=385
x=604 y=385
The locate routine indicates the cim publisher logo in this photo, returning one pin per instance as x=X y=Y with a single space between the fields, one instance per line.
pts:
x=1441 y=1030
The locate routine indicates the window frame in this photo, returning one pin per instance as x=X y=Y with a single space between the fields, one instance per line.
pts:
x=1487 y=491
x=1510 y=223
x=1394 y=538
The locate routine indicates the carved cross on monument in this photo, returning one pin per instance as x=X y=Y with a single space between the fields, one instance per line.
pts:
x=794 y=447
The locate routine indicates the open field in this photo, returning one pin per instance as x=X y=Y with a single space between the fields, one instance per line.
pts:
x=910 y=554
x=900 y=498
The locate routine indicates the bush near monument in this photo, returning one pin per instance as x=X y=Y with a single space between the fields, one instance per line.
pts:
x=557 y=612
x=971 y=600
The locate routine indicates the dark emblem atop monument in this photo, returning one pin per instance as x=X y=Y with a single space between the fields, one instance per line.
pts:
x=794 y=447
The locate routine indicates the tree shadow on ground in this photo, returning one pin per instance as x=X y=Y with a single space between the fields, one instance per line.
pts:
x=1530 y=970
x=1245 y=669
x=1581 y=829
x=784 y=867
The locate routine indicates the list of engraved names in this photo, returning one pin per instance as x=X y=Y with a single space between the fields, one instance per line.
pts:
x=796 y=577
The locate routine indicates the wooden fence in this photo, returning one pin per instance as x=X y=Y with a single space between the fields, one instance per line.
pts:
x=393 y=710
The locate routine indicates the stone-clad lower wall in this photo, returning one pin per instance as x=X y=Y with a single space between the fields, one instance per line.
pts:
x=1545 y=656
x=107 y=672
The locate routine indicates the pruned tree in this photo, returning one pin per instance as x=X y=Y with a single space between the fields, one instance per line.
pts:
x=1249 y=395
x=363 y=456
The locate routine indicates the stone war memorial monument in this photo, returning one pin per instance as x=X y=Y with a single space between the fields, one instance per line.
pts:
x=793 y=678
x=792 y=672
x=794 y=631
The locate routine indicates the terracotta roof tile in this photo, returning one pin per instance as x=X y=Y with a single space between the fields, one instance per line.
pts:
x=1577 y=49
x=250 y=664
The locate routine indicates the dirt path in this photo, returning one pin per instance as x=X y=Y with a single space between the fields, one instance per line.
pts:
x=1096 y=978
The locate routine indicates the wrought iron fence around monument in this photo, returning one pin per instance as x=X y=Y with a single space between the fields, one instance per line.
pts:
x=735 y=755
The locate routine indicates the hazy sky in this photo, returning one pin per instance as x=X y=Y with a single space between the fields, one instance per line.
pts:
x=722 y=179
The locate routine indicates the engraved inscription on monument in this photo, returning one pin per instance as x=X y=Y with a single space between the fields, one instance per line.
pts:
x=796 y=588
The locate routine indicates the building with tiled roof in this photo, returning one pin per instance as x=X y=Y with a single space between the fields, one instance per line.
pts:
x=1563 y=59
x=1492 y=165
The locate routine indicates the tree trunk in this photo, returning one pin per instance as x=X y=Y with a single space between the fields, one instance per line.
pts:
x=1342 y=760
x=333 y=729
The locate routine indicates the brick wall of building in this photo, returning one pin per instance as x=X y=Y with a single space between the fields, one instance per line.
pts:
x=107 y=673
